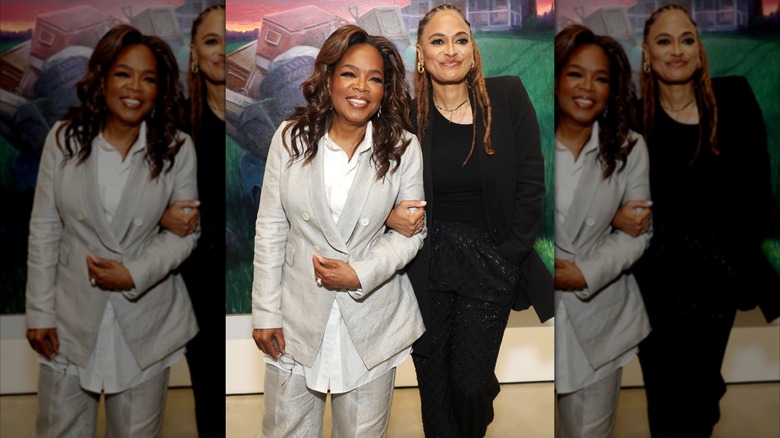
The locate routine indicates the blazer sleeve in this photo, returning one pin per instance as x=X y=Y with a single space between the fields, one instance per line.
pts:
x=619 y=251
x=530 y=175
x=271 y=230
x=44 y=240
x=167 y=250
x=392 y=251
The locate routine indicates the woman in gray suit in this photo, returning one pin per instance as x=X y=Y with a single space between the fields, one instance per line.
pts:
x=330 y=307
x=103 y=308
x=600 y=165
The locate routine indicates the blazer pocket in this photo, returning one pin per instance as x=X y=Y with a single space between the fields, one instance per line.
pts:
x=289 y=254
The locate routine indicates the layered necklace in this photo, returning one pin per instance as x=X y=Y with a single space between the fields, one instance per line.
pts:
x=452 y=111
x=675 y=113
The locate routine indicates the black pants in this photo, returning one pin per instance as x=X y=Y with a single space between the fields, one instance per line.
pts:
x=681 y=360
x=457 y=381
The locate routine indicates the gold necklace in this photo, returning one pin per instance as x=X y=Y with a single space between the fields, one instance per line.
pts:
x=450 y=110
x=681 y=108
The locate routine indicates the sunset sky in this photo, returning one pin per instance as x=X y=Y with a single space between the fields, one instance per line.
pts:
x=241 y=14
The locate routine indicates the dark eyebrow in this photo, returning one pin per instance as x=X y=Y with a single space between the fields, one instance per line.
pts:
x=154 y=72
x=440 y=35
x=210 y=35
x=354 y=67
x=577 y=66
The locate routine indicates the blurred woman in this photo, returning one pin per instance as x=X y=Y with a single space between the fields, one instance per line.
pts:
x=484 y=181
x=330 y=307
x=104 y=309
x=712 y=202
x=204 y=271
x=599 y=164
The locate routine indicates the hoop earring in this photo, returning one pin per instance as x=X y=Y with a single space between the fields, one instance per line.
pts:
x=646 y=67
x=420 y=67
x=194 y=67
x=331 y=107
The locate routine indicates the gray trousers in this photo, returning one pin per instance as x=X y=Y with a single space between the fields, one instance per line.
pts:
x=67 y=410
x=291 y=409
x=591 y=411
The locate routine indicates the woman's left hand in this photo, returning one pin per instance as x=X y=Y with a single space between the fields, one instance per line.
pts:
x=568 y=276
x=334 y=274
x=109 y=274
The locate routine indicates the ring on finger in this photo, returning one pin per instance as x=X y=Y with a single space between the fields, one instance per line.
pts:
x=92 y=281
x=319 y=282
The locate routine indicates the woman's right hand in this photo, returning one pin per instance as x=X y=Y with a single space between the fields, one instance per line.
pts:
x=181 y=217
x=633 y=218
x=44 y=341
x=263 y=341
x=407 y=218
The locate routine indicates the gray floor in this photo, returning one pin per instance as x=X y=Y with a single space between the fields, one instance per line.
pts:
x=522 y=410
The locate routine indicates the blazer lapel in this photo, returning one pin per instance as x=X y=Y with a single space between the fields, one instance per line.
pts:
x=319 y=202
x=358 y=194
x=92 y=203
x=586 y=189
x=134 y=189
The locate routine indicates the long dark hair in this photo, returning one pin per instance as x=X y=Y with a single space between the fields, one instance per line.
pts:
x=702 y=85
x=84 y=122
x=195 y=83
x=475 y=78
x=615 y=122
x=312 y=121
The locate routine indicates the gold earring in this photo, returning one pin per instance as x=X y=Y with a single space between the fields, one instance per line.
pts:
x=194 y=67
x=646 y=67
x=420 y=67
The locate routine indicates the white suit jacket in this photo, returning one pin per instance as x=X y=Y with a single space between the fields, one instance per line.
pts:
x=294 y=223
x=609 y=316
x=68 y=224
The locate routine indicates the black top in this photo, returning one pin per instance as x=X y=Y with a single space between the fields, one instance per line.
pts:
x=711 y=213
x=457 y=189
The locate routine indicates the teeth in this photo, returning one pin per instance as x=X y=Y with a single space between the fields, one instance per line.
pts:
x=131 y=102
x=357 y=101
x=584 y=101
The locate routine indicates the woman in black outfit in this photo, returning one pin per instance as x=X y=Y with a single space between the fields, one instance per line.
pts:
x=204 y=271
x=708 y=166
x=484 y=181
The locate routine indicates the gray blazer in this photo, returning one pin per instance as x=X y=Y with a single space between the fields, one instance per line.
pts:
x=609 y=316
x=294 y=223
x=68 y=224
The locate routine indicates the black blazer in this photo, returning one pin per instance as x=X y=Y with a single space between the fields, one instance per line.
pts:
x=513 y=182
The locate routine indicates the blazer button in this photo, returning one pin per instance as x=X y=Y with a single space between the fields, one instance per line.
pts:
x=91 y=248
x=306 y=216
x=138 y=222
x=316 y=249
x=80 y=216
x=591 y=222
x=364 y=222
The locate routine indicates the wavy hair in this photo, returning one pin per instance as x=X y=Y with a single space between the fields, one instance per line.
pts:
x=475 y=79
x=195 y=83
x=85 y=122
x=702 y=85
x=311 y=121
x=615 y=122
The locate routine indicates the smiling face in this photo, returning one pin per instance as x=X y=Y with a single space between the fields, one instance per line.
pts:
x=208 y=47
x=582 y=89
x=446 y=48
x=131 y=86
x=357 y=86
x=672 y=47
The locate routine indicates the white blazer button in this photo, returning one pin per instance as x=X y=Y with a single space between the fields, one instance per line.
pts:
x=306 y=216
x=364 y=222
x=90 y=248
x=316 y=248
x=80 y=216
x=591 y=222
x=138 y=222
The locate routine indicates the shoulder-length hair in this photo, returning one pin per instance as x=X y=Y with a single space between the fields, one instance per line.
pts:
x=614 y=123
x=196 y=85
x=84 y=122
x=312 y=121
x=475 y=79
x=702 y=85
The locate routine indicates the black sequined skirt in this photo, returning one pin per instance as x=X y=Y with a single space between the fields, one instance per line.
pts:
x=465 y=260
